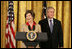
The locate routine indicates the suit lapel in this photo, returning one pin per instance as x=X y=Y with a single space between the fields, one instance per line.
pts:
x=54 y=25
x=47 y=24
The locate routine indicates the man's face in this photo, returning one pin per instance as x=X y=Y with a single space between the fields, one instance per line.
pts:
x=50 y=13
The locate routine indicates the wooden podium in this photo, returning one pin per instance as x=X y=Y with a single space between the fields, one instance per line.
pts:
x=21 y=36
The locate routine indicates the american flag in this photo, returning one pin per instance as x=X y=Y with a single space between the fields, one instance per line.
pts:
x=10 y=28
x=44 y=10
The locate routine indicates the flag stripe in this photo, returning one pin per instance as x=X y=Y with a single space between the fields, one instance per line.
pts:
x=12 y=36
x=10 y=29
x=11 y=41
x=13 y=25
x=7 y=45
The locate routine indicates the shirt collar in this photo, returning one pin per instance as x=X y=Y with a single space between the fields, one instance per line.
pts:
x=50 y=19
x=34 y=23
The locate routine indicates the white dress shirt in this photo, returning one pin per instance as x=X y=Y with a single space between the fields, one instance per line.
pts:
x=49 y=21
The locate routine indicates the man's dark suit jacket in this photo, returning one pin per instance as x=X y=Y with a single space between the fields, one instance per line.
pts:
x=55 y=38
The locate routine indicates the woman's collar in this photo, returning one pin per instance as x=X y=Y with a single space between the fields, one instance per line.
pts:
x=34 y=23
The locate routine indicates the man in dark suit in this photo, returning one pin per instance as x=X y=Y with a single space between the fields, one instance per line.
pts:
x=53 y=29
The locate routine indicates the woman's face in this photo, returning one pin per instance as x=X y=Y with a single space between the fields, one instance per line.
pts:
x=29 y=17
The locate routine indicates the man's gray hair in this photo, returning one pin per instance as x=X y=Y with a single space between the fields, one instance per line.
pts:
x=49 y=8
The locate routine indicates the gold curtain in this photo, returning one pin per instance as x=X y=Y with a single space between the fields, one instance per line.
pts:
x=62 y=13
